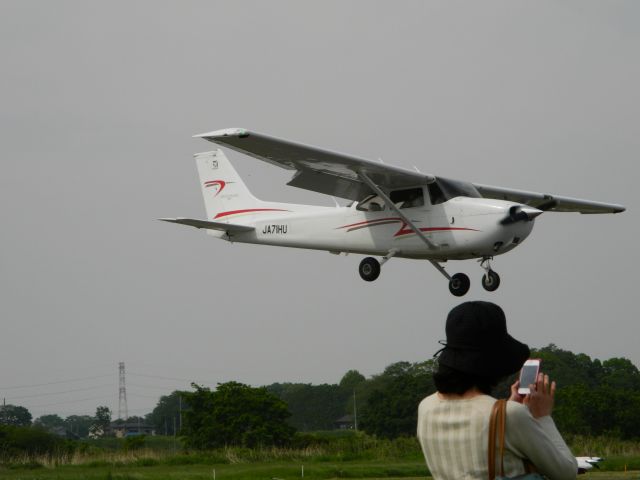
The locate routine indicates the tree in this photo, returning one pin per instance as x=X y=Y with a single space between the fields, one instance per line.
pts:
x=352 y=379
x=235 y=414
x=101 y=422
x=312 y=407
x=391 y=409
x=49 y=421
x=15 y=415
x=166 y=414
x=79 y=424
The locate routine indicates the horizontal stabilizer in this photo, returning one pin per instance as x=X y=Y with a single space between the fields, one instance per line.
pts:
x=225 y=227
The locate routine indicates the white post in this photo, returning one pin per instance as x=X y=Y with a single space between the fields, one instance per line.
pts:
x=302 y=473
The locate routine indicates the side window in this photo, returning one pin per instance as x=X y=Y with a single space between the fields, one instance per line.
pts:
x=409 y=198
x=371 y=204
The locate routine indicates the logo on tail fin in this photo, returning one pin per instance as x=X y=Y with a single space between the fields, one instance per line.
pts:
x=220 y=184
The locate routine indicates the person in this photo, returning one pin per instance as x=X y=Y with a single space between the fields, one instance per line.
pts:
x=453 y=423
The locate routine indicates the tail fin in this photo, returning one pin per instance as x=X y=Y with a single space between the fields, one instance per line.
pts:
x=222 y=188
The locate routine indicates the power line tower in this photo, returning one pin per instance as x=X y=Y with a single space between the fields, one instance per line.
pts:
x=122 y=396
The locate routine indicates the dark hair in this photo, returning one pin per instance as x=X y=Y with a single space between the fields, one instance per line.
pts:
x=448 y=380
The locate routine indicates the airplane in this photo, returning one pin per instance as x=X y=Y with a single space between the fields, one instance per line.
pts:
x=394 y=212
x=587 y=463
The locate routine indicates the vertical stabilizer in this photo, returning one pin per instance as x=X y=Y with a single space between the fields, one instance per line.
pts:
x=222 y=188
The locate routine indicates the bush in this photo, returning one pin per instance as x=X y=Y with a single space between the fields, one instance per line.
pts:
x=30 y=441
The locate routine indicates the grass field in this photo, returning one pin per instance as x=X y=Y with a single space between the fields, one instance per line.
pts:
x=253 y=471
x=328 y=456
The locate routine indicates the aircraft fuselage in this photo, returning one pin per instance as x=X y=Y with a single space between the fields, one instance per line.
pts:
x=461 y=228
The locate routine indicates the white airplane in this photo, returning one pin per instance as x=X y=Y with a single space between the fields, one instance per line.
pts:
x=587 y=463
x=395 y=212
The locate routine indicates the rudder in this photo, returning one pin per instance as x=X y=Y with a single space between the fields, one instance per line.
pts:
x=222 y=188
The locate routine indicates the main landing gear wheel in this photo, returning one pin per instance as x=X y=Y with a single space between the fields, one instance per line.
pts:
x=369 y=269
x=491 y=281
x=459 y=284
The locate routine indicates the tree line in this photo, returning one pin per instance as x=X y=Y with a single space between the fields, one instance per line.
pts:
x=594 y=398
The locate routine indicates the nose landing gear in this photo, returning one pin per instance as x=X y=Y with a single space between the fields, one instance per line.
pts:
x=490 y=280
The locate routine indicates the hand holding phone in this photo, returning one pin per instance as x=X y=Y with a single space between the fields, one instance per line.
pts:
x=529 y=375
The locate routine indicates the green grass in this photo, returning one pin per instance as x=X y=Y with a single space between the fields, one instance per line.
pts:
x=324 y=456
x=269 y=471
x=283 y=471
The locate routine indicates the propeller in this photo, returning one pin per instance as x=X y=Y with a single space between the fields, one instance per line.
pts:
x=520 y=213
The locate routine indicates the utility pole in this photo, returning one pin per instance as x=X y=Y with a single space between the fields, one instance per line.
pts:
x=355 y=412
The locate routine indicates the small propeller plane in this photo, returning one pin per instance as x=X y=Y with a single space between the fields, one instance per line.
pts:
x=394 y=212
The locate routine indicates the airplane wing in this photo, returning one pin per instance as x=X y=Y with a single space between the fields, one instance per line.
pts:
x=548 y=202
x=336 y=174
x=225 y=227
x=317 y=170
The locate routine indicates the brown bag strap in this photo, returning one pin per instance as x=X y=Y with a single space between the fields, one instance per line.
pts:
x=497 y=423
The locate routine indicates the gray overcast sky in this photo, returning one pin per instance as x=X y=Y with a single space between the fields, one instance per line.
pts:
x=98 y=102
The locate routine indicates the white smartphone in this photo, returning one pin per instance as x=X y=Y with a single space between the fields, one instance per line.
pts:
x=528 y=375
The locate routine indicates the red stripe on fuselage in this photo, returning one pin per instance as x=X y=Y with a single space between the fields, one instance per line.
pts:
x=406 y=231
x=372 y=222
x=248 y=210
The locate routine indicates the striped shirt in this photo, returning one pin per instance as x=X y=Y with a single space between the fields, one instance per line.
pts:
x=454 y=439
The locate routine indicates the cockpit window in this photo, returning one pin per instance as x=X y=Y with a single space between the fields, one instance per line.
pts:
x=372 y=203
x=408 y=198
x=444 y=189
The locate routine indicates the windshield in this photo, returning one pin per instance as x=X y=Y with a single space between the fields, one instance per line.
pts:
x=444 y=189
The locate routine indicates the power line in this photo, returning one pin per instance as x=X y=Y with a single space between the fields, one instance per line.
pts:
x=152 y=387
x=137 y=395
x=70 y=401
x=55 y=383
x=168 y=378
x=61 y=392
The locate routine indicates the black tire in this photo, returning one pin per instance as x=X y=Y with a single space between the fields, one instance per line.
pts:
x=459 y=284
x=369 y=269
x=491 y=281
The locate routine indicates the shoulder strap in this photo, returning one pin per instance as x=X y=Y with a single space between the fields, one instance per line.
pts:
x=497 y=423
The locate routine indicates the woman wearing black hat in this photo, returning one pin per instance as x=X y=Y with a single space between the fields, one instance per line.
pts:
x=453 y=424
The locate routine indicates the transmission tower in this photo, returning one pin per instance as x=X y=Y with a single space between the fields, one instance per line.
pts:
x=122 y=398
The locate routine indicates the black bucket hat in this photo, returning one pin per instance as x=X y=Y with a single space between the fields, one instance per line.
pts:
x=478 y=342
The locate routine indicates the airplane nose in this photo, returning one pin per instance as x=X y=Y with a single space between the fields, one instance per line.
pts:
x=531 y=212
x=520 y=213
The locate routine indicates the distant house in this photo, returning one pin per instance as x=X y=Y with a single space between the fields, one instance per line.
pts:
x=124 y=429
x=344 y=423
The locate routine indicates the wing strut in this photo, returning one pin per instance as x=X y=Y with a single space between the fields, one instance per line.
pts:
x=363 y=176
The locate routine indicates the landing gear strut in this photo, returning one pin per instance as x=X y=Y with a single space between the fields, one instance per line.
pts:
x=490 y=280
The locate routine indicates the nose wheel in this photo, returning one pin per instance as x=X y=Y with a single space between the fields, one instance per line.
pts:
x=490 y=280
